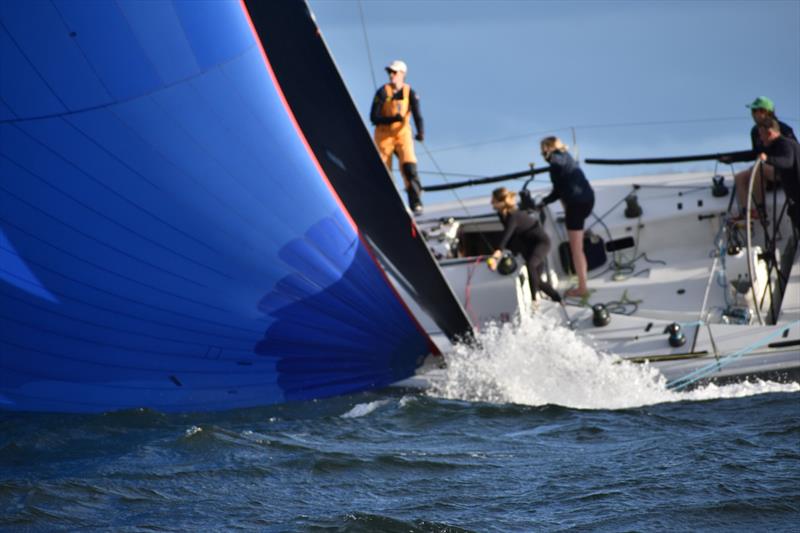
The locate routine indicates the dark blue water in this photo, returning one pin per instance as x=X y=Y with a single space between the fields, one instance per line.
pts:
x=398 y=461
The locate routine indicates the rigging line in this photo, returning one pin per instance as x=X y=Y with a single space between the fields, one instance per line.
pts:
x=502 y=139
x=586 y=127
x=574 y=144
x=444 y=177
x=455 y=194
x=456 y=174
x=366 y=42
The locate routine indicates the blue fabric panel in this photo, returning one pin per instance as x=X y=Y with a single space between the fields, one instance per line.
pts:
x=40 y=31
x=25 y=91
x=5 y=112
x=52 y=395
x=158 y=31
x=14 y=271
x=127 y=72
x=167 y=240
x=217 y=31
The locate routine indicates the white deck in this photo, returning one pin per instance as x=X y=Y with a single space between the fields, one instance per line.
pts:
x=676 y=231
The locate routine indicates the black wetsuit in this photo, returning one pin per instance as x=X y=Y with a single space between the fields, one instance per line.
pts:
x=572 y=187
x=755 y=139
x=758 y=146
x=784 y=156
x=524 y=235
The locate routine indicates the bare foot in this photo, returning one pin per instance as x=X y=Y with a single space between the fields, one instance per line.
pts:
x=575 y=292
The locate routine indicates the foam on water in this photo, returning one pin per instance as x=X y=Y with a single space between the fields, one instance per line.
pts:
x=540 y=362
x=363 y=409
x=194 y=430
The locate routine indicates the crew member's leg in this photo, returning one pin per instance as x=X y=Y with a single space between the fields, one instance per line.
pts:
x=534 y=260
x=767 y=175
x=575 y=218
x=386 y=146
x=413 y=186
x=579 y=262
x=742 y=181
x=794 y=215
x=408 y=168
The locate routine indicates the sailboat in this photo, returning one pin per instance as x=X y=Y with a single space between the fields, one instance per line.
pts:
x=181 y=228
x=194 y=218
x=676 y=282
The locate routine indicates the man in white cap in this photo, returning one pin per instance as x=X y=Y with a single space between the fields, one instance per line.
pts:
x=391 y=112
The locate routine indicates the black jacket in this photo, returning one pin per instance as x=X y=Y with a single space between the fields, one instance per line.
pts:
x=569 y=182
x=784 y=155
x=521 y=233
x=758 y=146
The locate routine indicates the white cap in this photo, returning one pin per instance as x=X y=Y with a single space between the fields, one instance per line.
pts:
x=398 y=66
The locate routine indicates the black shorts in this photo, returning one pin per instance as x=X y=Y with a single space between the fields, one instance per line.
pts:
x=576 y=214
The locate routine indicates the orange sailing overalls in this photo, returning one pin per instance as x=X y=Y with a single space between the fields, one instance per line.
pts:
x=396 y=138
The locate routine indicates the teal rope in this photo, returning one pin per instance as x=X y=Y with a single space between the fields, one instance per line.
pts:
x=700 y=373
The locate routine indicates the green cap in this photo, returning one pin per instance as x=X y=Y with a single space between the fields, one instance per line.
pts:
x=762 y=102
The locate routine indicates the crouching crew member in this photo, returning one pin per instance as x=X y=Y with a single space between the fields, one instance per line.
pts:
x=523 y=235
x=391 y=112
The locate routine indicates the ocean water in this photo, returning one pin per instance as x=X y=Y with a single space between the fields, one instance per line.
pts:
x=533 y=432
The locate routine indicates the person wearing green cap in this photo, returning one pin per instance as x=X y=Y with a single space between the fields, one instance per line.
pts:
x=762 y=110
x=783 y=154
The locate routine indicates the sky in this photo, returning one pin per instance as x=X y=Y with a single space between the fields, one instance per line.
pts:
x=629 y=79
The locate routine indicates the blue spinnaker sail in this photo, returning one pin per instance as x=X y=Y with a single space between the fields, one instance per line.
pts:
x=168 y=239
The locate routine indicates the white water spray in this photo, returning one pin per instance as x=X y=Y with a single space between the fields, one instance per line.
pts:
x=363 y=409
x=539 y=362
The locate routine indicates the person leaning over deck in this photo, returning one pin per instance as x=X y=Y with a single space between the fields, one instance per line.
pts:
x=523 y=235
x=762 y=109
x=391 y=112
x=571 y=186
x=783 y=154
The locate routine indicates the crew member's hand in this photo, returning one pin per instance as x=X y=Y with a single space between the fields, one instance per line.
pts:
x=493 y=260
x=420 y=137
x=762 y=156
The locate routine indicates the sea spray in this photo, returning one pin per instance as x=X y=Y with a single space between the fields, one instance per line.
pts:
x=538 y=362
x=363 y=409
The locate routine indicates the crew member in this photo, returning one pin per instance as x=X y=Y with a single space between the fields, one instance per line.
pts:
x=577 y=196
x=783 y=154
x=391 y=112
x=762 y=110
x=523 y=235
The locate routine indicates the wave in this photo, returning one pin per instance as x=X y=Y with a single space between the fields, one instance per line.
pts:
x=539 y=362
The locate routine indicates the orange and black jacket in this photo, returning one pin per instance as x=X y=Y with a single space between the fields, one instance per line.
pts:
x=377 y=118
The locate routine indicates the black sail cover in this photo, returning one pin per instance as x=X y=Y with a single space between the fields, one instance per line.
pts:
x=344 y=147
